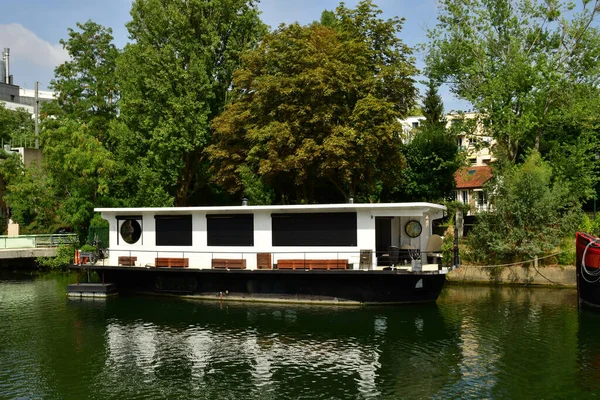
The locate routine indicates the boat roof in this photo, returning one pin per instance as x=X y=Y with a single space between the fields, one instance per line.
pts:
x=417 y=206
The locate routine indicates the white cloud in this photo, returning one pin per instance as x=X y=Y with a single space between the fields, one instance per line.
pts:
x=27 y=46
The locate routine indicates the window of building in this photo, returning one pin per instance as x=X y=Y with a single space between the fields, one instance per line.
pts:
x=473 y=161
x=314 y=229
x=129 y=228
x=482 y=198
x=230 y=229
x=465 y=196
x=173 y=230
x=415 y=124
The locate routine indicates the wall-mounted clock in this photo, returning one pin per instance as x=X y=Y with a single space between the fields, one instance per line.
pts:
x=413 y=228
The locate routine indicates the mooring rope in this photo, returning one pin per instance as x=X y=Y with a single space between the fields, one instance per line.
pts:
x=520 y=263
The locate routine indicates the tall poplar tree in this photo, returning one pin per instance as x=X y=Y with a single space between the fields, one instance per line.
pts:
x=85 y=86
x=175 y=76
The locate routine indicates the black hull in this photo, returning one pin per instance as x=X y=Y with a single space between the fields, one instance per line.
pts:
x=352 y=287
x=589 y=293
x=588 y=286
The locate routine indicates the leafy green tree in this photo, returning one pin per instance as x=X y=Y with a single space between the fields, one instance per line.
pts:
x=80 y=170
x=16 y=126
x=530 y=214
x=77 y=168
x=316 y=108
x=523 y=63
x=30 y=196
x=329 y=19
x=255 y=190
x=86 y=86
x=432 y=155
x=432 y=158
x=75 y=176
x=175 y=77
x=530 y=69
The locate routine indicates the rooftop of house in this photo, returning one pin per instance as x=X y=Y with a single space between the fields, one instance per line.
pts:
x=472 y=177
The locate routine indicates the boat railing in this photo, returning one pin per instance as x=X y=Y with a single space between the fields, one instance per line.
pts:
x=355 y=259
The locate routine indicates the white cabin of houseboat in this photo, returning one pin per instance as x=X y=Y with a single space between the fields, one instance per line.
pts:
x=363 y=236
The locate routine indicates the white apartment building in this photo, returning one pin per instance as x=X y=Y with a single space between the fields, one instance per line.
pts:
x=409 y=127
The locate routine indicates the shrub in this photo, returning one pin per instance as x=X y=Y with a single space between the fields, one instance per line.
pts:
x=589 y=225
x=64 y=257
x=448 y=249
x=568 y=252
x=531 y=214
x=88 y=248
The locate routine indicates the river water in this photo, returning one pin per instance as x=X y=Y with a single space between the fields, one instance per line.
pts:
x=476 y=342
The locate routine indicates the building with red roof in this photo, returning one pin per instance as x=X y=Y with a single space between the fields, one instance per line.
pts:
x=470 y=183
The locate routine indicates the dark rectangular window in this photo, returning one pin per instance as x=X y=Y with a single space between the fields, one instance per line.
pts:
x=314 y=229
x=230 y=229
x=173 y=230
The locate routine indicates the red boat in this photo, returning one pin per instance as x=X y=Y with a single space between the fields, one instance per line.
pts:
x=588 y=269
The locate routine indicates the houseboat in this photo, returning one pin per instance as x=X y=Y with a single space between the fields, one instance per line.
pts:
x=588 y=269
x=335 y=253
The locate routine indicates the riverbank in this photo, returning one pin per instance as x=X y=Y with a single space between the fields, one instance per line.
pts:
x=555 y=276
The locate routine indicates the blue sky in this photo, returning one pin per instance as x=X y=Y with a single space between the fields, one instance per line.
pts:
x=32 y=28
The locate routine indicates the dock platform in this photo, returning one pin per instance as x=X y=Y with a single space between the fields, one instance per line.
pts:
x=92 y=290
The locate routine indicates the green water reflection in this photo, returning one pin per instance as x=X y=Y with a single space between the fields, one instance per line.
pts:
x=476 y=342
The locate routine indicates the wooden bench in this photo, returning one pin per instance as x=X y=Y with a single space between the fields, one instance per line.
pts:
x=127 y=260
x=229 y=263
x=171 y=262
x=312 y=264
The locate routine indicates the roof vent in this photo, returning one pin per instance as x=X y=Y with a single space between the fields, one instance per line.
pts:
x=351 y=200
x=244 y=201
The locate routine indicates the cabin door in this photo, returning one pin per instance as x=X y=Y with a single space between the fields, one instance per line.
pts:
x=383 y=234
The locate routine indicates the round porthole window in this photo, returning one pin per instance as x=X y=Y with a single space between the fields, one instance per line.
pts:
x=131 y=231
x=413 y=228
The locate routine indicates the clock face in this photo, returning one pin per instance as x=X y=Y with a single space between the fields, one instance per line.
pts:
x=413 y=228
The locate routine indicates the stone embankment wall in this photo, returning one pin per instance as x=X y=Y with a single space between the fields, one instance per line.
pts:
x=515 y=275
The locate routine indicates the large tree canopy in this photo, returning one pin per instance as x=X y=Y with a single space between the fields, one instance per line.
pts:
x=524 y=64
x=530 y=68
x=175 y=77
x=317 y=107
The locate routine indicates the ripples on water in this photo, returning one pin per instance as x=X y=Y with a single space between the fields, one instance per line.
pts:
x=477 y=342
